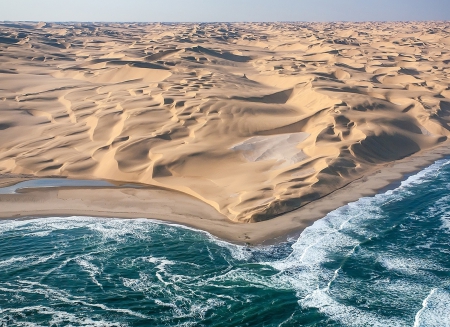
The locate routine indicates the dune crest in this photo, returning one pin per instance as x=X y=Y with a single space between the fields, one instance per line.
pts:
x=254 y=119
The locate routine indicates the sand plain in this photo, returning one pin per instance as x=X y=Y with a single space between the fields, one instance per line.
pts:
x=253 y=120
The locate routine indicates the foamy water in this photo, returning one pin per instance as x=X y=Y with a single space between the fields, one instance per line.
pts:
x=380 y=261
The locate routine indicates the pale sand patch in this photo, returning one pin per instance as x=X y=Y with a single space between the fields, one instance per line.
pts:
x=283 y=148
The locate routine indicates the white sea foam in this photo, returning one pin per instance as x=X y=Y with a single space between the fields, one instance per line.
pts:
x=29 y=260
x=347 y=315
x=435 y=311
x=245 y=278
x=59 y=296
x=442 y=209
x=237 y=252
x=90 y=268
x=57 y=317
x=408 y=265
x=288 y=320
x=446 y=221
x=39 y=234
x=13 y=260
x=183 y=301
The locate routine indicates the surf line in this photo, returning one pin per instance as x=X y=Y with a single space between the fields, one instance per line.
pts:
x=424 y=307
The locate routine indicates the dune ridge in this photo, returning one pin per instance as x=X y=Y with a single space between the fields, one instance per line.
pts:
x=255 y=120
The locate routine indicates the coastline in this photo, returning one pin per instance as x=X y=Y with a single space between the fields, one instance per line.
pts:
x=253 y=129
x=174 y=207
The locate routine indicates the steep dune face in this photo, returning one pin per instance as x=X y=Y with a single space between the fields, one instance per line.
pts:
x=254 y=119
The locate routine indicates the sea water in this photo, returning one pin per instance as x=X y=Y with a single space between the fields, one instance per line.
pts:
x=380 y=261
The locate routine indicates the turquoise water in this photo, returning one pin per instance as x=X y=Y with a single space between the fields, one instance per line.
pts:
x=380 y=261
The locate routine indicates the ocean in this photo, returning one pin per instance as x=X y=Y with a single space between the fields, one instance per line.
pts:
x=379 y=261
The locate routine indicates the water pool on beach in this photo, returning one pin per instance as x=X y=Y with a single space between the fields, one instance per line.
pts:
x=380 y=261
x=40 y=183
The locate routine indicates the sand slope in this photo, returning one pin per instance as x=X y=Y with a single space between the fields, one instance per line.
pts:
x=253 y=119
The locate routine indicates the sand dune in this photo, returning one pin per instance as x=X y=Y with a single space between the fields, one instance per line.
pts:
x=253 y=119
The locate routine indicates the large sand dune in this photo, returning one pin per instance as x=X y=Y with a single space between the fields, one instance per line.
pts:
x=254 y=119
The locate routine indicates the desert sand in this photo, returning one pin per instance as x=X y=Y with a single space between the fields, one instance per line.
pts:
x=227 y=124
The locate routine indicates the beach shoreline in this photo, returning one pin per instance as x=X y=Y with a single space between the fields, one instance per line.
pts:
x=177 y=208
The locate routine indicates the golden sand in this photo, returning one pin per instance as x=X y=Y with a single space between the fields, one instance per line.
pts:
x=255 y=120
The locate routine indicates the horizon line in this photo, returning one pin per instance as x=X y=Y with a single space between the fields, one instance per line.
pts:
x=228 y=22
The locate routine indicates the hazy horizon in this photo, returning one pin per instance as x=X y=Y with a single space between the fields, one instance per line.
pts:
x=196 y=11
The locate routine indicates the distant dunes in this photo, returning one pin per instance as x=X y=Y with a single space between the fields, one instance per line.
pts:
x=254 y=119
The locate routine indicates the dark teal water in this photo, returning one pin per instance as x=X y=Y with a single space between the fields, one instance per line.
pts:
x=381 y=261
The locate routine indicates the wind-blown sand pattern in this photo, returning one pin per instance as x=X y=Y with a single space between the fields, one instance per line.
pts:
x=256 y=120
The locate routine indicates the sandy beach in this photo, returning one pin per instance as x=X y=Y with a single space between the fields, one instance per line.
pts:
x=248 y=131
